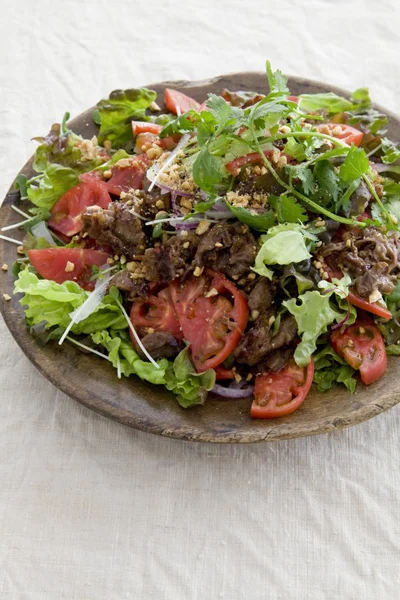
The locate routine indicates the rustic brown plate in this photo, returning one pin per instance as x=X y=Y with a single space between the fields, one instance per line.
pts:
x=94 y=383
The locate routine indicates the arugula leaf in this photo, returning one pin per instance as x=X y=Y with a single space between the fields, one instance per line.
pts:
x=288 y=209
x=325 y=101
x=190 y=387
x=122 y=355
x=206 y=171
x=56 y=180
x=53 y=302
x=313 y=315
x=391 y=151
x=118 y=110
x=355 y=165
x=276 y=80
x=258 y=221
x=284 y=244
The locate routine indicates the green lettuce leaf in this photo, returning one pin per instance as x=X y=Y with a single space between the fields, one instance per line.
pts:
x=326 y=101
x=122 y=354
x=330 y=368
x=117 y=111
x=313 y=315
x=52 y=302
x=190 y=387
x=56 y=180
x=283 y=244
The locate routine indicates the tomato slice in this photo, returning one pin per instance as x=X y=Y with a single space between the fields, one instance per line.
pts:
x=222 y=373
x=361 y=345
x=177 y=102
x=210 y=322
x=281 y=393
x=348 y=134
x=371 y=307
x=144 y=127
x=131 y=176
x=254 y=157
x=66 y=214
x=68 y=264
x=157 y=312
x=293 y=99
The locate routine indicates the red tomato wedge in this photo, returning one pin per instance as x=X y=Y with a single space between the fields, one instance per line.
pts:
x=157 y=312
x=281 y=393
x=128 y=177
x=371 y=307
x=68 y=264
x=253 y=158
x=361 y=345
x=66 y=214
x=293 y=98
x=213 y=315
x=209 y=312
x=222 y=373
x=179 y=103
x=143 y=127
x=348 y=134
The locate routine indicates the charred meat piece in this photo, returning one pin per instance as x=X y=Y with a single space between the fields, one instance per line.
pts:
x=276 y=360
x=262 y=295
x=115 y=227
x=160 y=345
x=229 y=249
x=370 y=257
x=173 y=259
x=134 y=288
x=260 y=340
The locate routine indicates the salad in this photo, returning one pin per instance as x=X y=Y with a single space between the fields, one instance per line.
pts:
x=246 y=247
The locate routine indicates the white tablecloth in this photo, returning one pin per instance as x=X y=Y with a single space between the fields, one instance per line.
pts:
x=91 y=510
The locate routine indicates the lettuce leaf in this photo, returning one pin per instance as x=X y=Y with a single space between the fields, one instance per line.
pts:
x=51 y=302
x=115 y=113
x=56 y=180
x=123 y=356
x=330 y=368
x=190 y=387
x=315 y=312
x=325 y=101
x=283 y=245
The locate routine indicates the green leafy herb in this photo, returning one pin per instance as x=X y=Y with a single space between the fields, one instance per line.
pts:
x=393 y=350
x=328 y=183
x=56 y=180
x=21 y=185
x=206 y=171
x=276 y=80
x=295 y=149
x=118 y=110
x=391 y=151
x=304 y=174
x=190 y=387
x=258 y=221
x=288 y=209
x=330 y=368
x=355 y=165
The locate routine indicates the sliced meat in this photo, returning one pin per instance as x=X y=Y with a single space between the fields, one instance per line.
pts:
x=370 y=257
x=115 y=227
x=228 y=249
x=160 y=345
x=260 y=340
x=134 y=288
x=262 y=295
x=276 y=360
x=173 y=259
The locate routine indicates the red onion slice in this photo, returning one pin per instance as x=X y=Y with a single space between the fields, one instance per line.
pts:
x=343 y=321
x=226 y=392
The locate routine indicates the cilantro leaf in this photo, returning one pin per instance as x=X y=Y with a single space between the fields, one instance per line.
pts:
x=206 y=171
x=304 y=174
x=328 y=183
x=117 y=111
x=295 y=149
x=355 y=165
x=276 y=80
x=258 y=221
x=288 y=209
x=326 y=101
x=182 y=124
